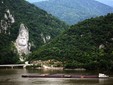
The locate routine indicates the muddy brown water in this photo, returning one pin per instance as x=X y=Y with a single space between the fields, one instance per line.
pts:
x=13 y=77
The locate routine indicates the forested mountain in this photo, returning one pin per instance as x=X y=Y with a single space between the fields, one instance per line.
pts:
x=20 y=19
x=73 y=11
x=88 y=44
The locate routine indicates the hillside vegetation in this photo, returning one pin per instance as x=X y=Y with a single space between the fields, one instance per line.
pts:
x=88 y=44
x=36 y=20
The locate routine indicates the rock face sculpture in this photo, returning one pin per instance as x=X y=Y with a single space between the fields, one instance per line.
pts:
x=22 y=42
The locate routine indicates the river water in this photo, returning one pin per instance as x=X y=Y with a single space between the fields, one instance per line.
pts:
x=13 y=77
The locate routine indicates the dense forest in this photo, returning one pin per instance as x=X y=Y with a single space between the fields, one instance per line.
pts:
x=88 y=44
x=15 y=12
x=73 y=11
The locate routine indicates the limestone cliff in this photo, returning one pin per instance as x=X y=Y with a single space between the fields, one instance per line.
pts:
x=14 y=43
x=22 y=42
x=6 y=22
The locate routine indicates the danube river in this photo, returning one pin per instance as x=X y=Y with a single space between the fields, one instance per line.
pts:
x=13 y=77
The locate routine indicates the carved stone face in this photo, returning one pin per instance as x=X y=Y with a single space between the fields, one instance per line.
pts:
x=23 y=33
x=22 y=41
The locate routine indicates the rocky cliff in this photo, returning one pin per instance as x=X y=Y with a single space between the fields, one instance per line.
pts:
x=21 y=27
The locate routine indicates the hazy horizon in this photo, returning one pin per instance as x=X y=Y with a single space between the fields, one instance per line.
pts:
x=31 y=1
x=107 y=2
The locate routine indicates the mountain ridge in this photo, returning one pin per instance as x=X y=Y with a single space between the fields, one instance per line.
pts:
x=72 y=11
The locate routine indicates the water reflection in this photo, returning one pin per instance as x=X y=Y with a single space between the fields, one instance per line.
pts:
x=13 y=77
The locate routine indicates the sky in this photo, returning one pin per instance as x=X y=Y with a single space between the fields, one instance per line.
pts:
x=107 y=2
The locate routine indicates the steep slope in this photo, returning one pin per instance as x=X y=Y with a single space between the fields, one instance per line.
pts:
x=25 y=27
x=89 y=44
x=73 y=11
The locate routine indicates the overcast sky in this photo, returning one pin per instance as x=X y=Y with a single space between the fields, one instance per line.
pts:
x=108 y=2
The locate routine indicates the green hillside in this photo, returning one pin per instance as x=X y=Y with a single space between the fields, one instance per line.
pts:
x=88 y=44
x=73 y=11
x=15 y=12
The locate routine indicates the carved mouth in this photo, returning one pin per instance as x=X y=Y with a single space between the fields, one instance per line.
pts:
x=22 y=44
